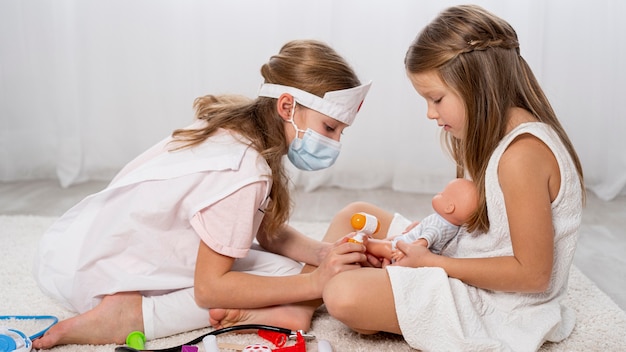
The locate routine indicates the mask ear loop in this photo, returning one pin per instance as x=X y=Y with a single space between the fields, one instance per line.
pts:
x=293 y=123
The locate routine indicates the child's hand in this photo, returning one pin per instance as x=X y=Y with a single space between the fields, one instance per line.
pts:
x=326 y=248
x=397 y=254
x=375 y=262
x=413 y=255
x=340 y=256
x=344 y=239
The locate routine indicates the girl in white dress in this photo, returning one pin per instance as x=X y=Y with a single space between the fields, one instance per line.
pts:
x=499 y=284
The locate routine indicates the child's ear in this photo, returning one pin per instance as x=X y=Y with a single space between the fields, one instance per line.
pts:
x=284 y=104
x=449 y=208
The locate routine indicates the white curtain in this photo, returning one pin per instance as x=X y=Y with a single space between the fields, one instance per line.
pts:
x=86 y=85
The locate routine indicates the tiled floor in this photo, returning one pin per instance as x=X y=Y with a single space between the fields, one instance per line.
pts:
x=601 y=252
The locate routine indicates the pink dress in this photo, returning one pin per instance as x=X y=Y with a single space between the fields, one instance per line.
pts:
x=142 y=232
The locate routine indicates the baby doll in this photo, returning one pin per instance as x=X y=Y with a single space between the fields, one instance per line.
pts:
x=453 y=207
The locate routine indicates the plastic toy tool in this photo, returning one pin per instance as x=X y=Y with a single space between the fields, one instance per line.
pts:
x=136 y=340
x=13 y=340
x=365 y=225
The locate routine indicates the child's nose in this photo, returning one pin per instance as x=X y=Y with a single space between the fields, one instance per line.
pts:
x=431 y=114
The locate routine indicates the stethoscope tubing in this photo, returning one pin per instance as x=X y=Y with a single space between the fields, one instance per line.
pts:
x=33 y=317
x=214 y=332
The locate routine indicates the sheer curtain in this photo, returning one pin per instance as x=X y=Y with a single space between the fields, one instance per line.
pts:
x=86 y=85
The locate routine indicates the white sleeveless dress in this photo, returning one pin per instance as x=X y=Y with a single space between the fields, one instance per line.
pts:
x=438 y=313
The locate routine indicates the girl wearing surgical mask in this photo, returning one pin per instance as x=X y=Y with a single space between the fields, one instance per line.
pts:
x=169 y=246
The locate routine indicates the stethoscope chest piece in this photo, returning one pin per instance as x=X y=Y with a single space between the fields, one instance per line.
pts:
x=14 y=341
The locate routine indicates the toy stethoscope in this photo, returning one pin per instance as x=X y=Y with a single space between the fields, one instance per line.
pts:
x=272 y=333
x=15 y=340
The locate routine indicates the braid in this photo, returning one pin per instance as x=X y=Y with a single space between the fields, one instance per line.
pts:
x=477 y=55
x=484 y=44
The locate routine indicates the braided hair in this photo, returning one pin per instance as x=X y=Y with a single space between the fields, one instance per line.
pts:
x=477 y=55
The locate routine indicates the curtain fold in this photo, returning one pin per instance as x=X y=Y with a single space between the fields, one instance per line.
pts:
x=86 y=85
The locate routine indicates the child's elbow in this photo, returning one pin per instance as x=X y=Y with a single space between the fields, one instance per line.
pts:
x=541 y=287
x=539 y=283
x=204 y=296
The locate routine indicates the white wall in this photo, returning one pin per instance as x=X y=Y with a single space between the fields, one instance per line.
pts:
x=86 y=85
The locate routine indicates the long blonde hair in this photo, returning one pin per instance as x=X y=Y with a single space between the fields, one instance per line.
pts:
x=309 y=65
x=477 y=54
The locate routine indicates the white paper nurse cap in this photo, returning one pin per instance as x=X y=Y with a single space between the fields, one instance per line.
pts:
x=342 y=105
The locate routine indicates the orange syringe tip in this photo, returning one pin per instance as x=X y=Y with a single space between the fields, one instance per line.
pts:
x=358 y=221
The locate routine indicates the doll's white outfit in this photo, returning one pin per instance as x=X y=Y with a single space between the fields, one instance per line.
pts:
x=434 y=229
x=438 y=313
x=142 y=232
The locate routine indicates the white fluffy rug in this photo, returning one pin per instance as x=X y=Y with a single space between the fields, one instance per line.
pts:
x=601 y=324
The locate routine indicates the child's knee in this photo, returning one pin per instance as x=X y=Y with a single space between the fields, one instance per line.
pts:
x=356 y=207
x=339 y=296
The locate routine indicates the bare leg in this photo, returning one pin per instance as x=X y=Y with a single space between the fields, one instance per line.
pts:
x=298 y=316
x=340 y=225
x=293 y=317
x=109 y=322
x=363 y=300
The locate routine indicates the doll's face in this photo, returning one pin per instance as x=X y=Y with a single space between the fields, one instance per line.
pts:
x=444 y=105
x=457 y=201
x=442 y=202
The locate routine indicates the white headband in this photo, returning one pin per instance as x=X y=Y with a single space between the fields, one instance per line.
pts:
x=341 y=105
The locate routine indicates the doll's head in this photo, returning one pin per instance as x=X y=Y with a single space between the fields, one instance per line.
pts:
x=457 y=201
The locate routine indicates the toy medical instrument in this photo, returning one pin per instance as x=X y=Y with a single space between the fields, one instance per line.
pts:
x=365 y=225
x=15 y=340
x=278 y=336
x=210 y=343
x=136 y=340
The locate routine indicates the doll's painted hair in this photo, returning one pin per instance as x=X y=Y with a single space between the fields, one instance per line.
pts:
x=477 y=55
x=308 y=65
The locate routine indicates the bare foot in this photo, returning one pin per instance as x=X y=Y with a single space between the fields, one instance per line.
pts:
x=109 y=322
x=293 y=317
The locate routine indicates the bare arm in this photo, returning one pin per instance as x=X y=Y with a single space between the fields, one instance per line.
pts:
x=530 y=180
x=291 y=243
x=216 y=285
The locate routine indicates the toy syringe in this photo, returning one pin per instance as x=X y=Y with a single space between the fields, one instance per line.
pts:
x=365 y=225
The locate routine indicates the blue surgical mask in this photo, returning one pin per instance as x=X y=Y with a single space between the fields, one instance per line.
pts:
x=313 y=151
